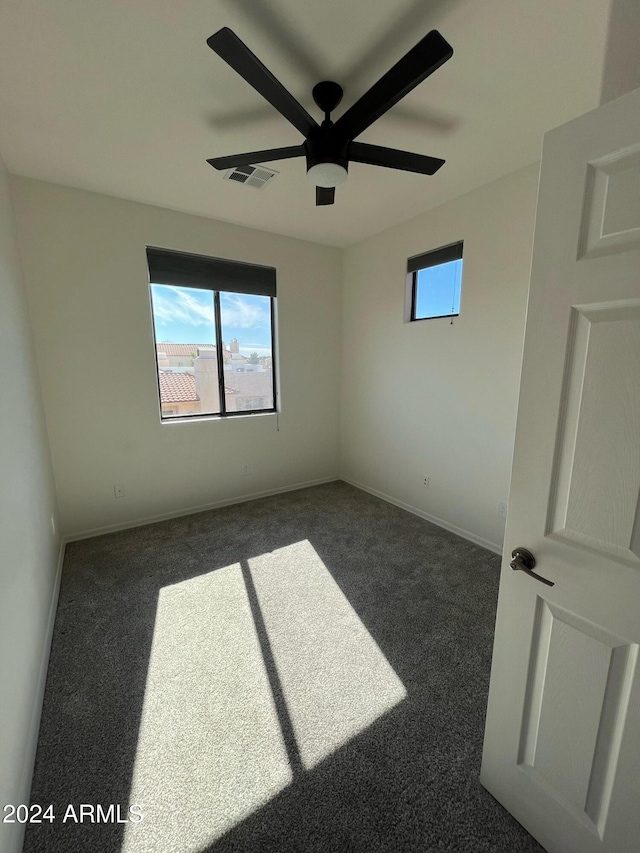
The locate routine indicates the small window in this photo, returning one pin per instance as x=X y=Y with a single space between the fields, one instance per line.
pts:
x=434 y=282
x=213 y=323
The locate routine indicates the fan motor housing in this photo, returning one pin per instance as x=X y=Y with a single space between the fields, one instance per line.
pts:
x=323 y=145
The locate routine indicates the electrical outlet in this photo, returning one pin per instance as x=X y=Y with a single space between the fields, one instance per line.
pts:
x=502 y=510
x=118 y=490
x=425 y=483
x=245 y=470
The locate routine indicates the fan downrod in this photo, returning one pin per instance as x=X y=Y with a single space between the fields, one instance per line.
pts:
x=327 y=96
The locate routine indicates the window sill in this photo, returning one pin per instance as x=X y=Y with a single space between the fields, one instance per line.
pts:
x=208 y=418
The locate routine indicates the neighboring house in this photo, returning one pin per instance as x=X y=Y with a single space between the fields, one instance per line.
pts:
x=188 y=381
x=183 y=355
x=251 y=390
x=236 y=361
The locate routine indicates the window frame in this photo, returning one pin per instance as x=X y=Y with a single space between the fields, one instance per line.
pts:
x=426 y=260
x=199 y=269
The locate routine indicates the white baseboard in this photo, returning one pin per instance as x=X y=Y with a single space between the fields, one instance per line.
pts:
x=152 y=519
x=452 y=528
x=15 y=843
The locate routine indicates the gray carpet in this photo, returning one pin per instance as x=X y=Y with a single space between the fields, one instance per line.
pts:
x=306 y=672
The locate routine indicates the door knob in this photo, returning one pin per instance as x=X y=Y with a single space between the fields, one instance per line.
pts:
x=524 y=561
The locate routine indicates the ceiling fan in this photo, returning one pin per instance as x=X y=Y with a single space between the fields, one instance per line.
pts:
x=329 y=147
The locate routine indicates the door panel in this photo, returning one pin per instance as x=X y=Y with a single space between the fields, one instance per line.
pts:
x=579 y=686
x=611 y=219
x=597 y=494
x=562 y=739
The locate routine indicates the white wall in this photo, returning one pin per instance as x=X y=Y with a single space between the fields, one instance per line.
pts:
x=29 y=550
x=430 y=398
x=85 y=268
x=621 y=71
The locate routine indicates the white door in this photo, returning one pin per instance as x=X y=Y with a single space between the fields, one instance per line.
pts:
x=562 y=740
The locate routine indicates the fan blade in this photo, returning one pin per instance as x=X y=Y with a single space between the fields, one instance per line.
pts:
x=325 y=195
x=253 y=157
x=422 y=60
x=236 y=54
x=376 y=155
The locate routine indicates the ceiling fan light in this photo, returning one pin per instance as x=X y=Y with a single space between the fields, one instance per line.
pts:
x=327 y=174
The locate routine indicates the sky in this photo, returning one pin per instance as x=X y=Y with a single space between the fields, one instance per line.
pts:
x=438 y=290
x=184 y=315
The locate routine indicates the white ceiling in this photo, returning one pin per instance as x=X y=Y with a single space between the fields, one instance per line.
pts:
x=124 y=97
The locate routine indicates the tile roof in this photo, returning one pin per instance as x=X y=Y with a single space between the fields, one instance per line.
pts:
x=174 y=350
x=181 y=349
x=177 y=387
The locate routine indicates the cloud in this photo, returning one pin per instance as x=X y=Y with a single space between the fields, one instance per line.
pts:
x=244 y=312
x=174 y=305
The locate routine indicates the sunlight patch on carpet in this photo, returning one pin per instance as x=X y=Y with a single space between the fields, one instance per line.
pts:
x=335 y=679
x=210 y=750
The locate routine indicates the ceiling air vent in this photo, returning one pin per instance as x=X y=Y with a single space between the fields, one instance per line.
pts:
x=251 y=176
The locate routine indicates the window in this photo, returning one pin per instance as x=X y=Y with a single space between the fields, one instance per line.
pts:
x=213 y=323
x=434 y=282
